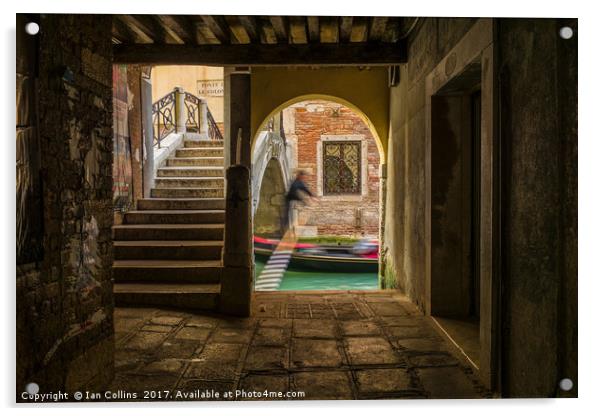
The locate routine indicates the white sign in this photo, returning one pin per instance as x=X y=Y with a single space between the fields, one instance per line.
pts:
x=210 y=88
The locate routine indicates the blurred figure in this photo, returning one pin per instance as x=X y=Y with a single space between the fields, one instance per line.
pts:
x=298 y=192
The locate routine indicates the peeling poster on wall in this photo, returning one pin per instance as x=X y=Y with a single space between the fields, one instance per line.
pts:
x=122 y=163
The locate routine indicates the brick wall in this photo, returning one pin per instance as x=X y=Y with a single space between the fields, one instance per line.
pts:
x=65 y=299
x=348 y=215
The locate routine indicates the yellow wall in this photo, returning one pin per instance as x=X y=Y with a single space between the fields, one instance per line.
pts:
x=165 y=78
x=366 y=91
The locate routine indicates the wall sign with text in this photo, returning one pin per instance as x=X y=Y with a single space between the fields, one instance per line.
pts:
x=210 y=88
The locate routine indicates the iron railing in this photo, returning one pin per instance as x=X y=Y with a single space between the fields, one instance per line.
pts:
x=193 y=116
x=164 y=117
x=214 y=131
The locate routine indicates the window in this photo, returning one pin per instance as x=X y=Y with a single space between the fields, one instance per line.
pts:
x=342 y=167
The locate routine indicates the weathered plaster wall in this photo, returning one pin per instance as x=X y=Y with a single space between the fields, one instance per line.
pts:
x=365 y=90
x=65 y=300
x=404 y=235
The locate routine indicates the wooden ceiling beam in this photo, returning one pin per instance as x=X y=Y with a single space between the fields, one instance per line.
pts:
x=345 y=25
x=141 y=33
x=218 y=27
x=329 y=29
x=354 y=54
x=280 y=25
x=297 y=29
x=249 y=23
x=377 y=28
x=359 y=30
x=313 y=28
x=179 y=28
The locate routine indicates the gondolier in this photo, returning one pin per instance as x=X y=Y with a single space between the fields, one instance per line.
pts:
x=295 y=194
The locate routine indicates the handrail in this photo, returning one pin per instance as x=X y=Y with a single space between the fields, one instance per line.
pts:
x=164 y=117
x=198 y=117
x=214 y=131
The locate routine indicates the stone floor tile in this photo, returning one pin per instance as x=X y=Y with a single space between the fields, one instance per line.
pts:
x=271 y=336
x=193 y=333
x=128 y=324
x=433 y=360
x=323 y=385
x=315 y=353
x=397 y=332
x=221 y=352
x=157 y=328
x=177 y=348
x=447 y=383
x=266 y=358
x=237 y=323
x=314 y=328
x=232 y=335
x=166 y=320
x=371 y=350
x=388 y=309
x=275 y=323
x=145 y=340
x=361 y=328
x=268 y=310
x=200 y=321
x=421 y=345
x=212 y=370
x=383 y=380
x=164 y=366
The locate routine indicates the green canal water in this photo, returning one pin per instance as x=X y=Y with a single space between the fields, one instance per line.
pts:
x=314 y=280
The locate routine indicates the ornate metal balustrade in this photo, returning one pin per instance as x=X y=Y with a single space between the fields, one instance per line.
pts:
x=164 y=117
x=214 y=131
x=193 y=115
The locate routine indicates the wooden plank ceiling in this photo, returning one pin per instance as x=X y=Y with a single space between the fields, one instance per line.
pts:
x=258 y=40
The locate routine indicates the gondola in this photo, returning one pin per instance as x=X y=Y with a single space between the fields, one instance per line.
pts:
x=333 y=259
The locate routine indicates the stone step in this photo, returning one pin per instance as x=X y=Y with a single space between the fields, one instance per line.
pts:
x=153 y=204
x=167 y=271
x=137 y=232
x=204 y=143
x=168 y=250
x=187 y=192
x=200 y=152
x=179 y=171
x=185 y=296
x=195 y=161
x=189 y=182
x=214 y=216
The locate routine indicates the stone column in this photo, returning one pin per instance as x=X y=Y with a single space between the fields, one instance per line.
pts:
x=237 y=277
x=237 y=117
x=180 y=110
x=203 y=120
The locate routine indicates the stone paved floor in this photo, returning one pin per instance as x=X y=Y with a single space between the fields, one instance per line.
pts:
x=343 y=345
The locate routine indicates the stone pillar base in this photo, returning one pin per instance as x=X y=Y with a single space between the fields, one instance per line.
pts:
x=236 y=291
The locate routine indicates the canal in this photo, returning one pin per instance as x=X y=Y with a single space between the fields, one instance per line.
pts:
x=315 y=280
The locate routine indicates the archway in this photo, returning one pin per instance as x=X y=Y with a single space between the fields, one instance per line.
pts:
x=339 y=150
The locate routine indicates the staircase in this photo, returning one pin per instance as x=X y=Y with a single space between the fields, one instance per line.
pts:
x=168 y=251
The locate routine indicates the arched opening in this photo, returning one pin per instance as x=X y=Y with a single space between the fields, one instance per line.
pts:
x=336 y=227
